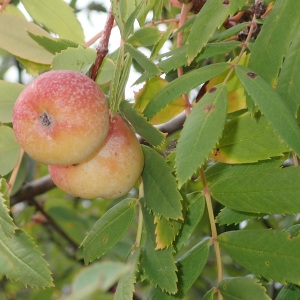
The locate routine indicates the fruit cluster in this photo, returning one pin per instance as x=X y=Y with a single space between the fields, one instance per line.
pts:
x=62 y=119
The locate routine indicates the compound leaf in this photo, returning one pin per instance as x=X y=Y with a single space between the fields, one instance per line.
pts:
x=109 y=229
x=272 y=254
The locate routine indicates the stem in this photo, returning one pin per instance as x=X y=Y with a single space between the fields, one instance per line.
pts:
x=186 y=7
x=102 y=48
x=140 y=222
x=213 y=228
x=243 y=48
x=14 y=173
x=295 y=159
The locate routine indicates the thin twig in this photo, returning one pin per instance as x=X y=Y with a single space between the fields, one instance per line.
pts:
x=31 y=189
x=102 y=48
x=213 y=228
x=186 y=7
x=15 y=171
x=52 y=222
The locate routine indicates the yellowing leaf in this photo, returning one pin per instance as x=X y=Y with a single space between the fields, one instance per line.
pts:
x=166 y=231
x=236 y=94
x=147 y=92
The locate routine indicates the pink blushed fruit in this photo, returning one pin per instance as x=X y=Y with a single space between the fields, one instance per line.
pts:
x=61 y=117
x=111 y=172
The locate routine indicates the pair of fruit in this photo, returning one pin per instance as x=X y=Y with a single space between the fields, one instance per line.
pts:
x=62 y=119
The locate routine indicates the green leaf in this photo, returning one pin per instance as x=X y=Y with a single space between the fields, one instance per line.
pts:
x=245 y=288
x=201 y=132
x=220 y=171
x=287 y=86
x=9 y=150
x=113 y=101
x=128 y=27
x=146 y=94
x=57 y=16
x=27 y=263
x=109 y=229
x=106 y=71
x=248 y=139
x=272 y=254
x=289 y=292
x=51 y=44
x=275 y=109
x=159 y=265
x=190 y=266
x=182 y=85
x=145 y=129
x=177 y=57
x=14 y=39
x=126 y=66
x=211 y=16
x=94 y=278
x=275 y=38
x=166 y=231
x=192 y=217
x=146 y=7
x=77 y=59
x=144 y=37
x=210 y=294
x=9 y=94
x=143 y=61
x=7 y=225
x=125 y=287
x=161 y=42
x=160 y=188
x=252 y=189
x=229 y=216
x=116 y=9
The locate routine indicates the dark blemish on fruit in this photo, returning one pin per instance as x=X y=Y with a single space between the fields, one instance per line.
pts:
x=217 y=150
x=226 y=2
x=45 y=119
x=251 y=75
x=213 y=89
x=74 y=165
x=209 y=107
